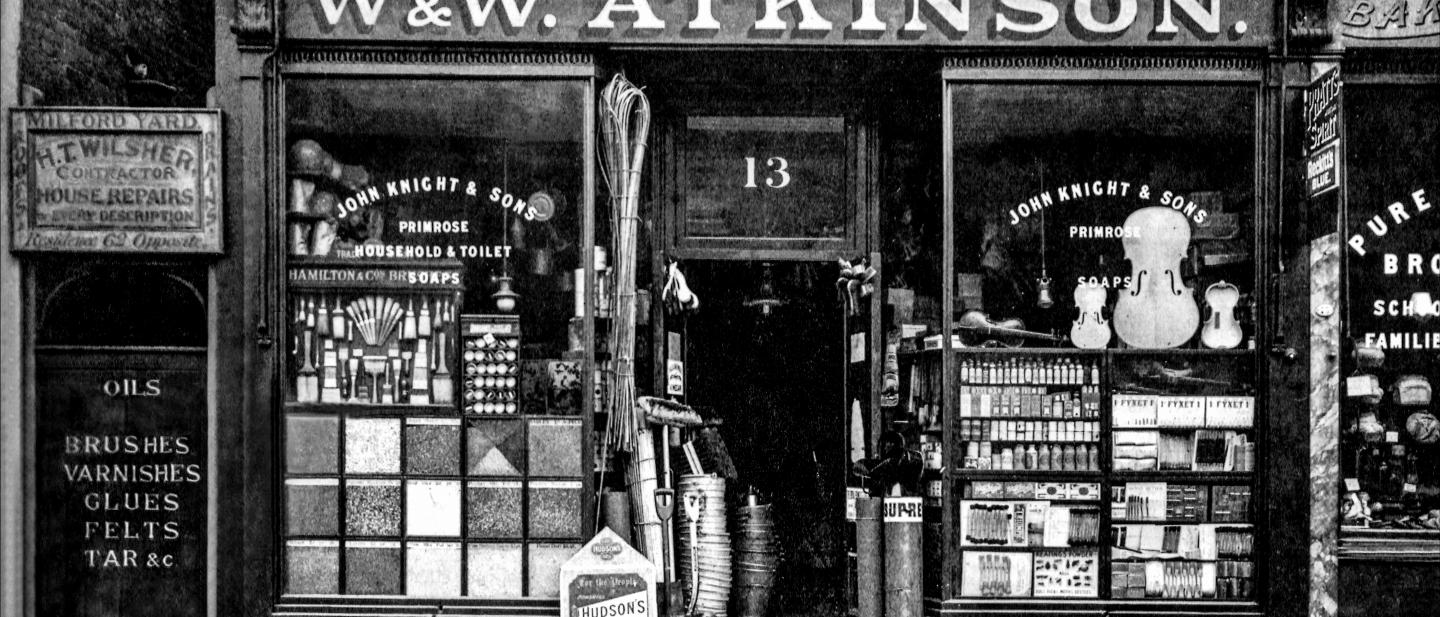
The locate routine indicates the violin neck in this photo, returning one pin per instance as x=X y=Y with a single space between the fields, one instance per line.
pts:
x=1000 y=331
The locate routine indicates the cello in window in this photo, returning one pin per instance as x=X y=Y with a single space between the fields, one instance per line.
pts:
x=1157 y=310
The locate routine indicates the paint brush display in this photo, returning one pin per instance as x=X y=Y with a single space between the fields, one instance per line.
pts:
x=372 y=348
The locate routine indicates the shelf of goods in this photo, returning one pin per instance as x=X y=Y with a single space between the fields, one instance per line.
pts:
x=396 y=484
x=1108 y=475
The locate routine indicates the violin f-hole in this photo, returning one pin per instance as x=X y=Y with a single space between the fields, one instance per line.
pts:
x=1174 y=288
x=1139 y=282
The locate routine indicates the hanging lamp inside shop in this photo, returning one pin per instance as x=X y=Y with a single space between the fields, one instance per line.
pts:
x=765 y=298
x=504 y=296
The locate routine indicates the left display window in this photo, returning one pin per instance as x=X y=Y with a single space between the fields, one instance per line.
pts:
x=433 y=429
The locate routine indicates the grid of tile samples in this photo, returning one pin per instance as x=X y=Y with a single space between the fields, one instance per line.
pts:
x=428 y=500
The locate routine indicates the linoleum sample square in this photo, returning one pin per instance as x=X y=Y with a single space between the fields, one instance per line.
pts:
x=373 y=568
x=545 y=562
x=534 y=386
x=555 y=448
x=372 y=445
x=433 y=569
x=565 y=384
x=312 y=566
x=432 y=446
x=312 y=507
x=554 y=509
x=432 y=508
x=495 y=510
x=494 y=570
x=372 y=507
x=312 y=444
x=496 y=447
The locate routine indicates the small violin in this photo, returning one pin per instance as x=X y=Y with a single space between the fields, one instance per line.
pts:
x=978 y=330
x=1090 y=330
x=1221 y=330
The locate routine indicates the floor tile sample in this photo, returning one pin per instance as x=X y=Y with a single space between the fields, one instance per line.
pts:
x=496 y=447
x=433 y=569
x=555 y=446
x=432 y=508
x=554 y=509
x=432 y=446
x=312 y=566
x=372 y=507
x=545 y=562
x=312 y=506
x=495 y=570
x=373 y=568
x=312 y=444
x=372 y=445
x=495 y=510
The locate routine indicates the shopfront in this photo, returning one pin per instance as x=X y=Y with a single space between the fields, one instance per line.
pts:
x=1388 y=540
x=1077 y=359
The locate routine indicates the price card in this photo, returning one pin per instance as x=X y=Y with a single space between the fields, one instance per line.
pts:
x=1352 y=484
x=1409 y=487
x=1392 y=436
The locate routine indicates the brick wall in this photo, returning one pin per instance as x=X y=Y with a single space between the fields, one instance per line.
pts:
x=74 y=50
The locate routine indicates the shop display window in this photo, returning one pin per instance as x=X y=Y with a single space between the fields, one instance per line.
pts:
x=1390 y=463
x=434 y=422
x=1102 y=432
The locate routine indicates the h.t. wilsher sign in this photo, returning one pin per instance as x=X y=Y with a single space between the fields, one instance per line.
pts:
x=933 y=23
x=115 y=180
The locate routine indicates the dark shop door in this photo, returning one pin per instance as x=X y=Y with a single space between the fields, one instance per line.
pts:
x=776 y=380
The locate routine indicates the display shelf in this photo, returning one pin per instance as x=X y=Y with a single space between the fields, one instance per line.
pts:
x=1182 y=475
x=362 y=409
x=1022 y=474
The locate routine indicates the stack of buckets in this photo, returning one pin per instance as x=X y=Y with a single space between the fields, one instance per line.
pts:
x=756 y=557
x=705 y=559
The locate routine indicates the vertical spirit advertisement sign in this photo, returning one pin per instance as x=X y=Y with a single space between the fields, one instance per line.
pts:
x=1322 y=134
x=120 y=477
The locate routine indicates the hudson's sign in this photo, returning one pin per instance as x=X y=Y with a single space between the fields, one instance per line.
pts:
x=115 y=180
x=790 y=22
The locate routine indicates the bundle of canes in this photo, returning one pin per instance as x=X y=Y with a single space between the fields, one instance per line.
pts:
x=624 y=127
x=641 y=477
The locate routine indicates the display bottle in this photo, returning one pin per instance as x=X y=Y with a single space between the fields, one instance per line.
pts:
x=1032 y=458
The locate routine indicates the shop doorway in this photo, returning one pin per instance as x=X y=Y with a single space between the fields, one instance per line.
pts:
x=776 y=380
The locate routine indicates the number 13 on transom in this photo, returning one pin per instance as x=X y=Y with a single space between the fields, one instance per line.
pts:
x=777 y=175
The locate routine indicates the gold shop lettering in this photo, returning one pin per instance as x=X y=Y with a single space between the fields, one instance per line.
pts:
x=1006 y=20
x=131 y=387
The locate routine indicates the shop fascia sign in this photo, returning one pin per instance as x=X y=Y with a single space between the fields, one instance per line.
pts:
x=932 y=23
x=1390 y=23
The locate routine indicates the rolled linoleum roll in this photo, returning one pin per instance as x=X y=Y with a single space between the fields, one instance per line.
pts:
x=869 y=557
x=904 y=557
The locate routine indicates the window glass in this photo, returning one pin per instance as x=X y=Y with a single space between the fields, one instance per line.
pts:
x=432 y=438
x=1107 y=230
x=1390 y=462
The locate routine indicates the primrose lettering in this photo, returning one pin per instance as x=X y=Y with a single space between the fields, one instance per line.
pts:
x=1008 y=19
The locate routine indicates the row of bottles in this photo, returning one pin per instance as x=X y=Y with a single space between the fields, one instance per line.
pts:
x=1033 y=457
x=1039 y=371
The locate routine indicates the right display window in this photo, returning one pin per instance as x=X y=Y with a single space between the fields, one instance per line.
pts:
x=1102 y=431
x=1390 y=460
